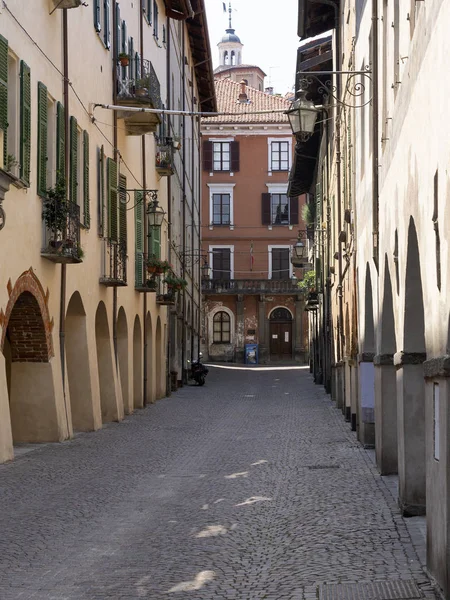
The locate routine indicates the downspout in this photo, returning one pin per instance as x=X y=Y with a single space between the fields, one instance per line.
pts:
x=200 y=272
x=183 y=264
x=169 y=206
x=62 y=301
x=193 y=263
x=339 y=227
x=375 y=183
x=144 y=185
x=116 y=158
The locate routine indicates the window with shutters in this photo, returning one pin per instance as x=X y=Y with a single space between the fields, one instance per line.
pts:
x=123 y=209
x=112 y=200
x=78 y=170
x=279 y=154
x=101 y=191
x=139 y=237
x=221 y=155
x=221 y=203
x=10 y=108
x=222 y=262
x=155 y=20
x=102 y=21
x=147 y=10
x=279 y=262
x=46 y=147
x=221 y=328
x=277 y=208
x=25 y=123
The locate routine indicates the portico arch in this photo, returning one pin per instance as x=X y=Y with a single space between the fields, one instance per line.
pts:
x=105 y=364
x=122 y=357
x=138 y=397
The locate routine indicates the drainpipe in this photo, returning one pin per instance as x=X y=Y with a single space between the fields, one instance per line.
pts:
x=62 y=301
x=144 y=184
x=169 y=205
x=375 y=190
x=339 y=227
x=193 y=269
x=200 y=272
x=115 y=54
x=183 y=91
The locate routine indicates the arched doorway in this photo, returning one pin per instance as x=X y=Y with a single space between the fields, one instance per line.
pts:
x=78 y=369
x=138 y=396
x=105 y=365
x=280 y=334
x=122 y=357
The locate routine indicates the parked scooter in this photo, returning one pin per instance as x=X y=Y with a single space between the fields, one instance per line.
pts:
x=198 y=371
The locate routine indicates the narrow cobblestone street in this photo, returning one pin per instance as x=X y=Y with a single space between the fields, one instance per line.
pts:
x=252 y=487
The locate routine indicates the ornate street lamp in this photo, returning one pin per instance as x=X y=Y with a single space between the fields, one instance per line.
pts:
x=155 y=213
x=299 y=256
x=302 y=117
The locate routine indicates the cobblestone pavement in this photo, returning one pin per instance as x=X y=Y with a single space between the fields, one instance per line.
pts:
x=250 y=488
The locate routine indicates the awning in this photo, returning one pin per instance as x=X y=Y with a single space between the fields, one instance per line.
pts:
x=303 y=168
x=315 y=17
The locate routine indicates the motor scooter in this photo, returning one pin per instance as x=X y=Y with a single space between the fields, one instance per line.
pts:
x=198 y=371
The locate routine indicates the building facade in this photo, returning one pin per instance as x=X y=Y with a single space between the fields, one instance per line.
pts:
x=249 y=226
x=381 y=168
x=86 y=331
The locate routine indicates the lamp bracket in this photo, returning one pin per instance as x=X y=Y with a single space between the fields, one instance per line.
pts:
x=354 y=88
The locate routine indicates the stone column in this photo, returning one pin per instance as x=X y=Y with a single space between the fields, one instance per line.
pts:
x=339 y=385
x=385 y=414
x=411 y=432
x=262 y=331
x=299 y=350
x=240 y=324
x=437 y=388
x=367 y=399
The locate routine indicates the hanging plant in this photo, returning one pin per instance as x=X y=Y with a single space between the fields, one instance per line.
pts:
x=124 y=59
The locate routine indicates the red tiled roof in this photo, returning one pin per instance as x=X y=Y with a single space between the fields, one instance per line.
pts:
x=227 y=94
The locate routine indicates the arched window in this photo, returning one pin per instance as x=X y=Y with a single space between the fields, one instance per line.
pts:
x=280 y=314
x=225 y=57
x=233 y=58
x=222 y=329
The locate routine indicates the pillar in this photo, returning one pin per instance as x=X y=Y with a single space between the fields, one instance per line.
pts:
x=385 y=414
x=262 y=330
x=411 y=431
x=240 y=324
x=299 y=350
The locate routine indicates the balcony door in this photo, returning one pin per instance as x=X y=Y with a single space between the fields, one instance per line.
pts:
x=221 y=264
x=280 y=263
x=280 y=334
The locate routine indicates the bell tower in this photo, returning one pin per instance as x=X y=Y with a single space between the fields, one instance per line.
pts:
x=230 y=46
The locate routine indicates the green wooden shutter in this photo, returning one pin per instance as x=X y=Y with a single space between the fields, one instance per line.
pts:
x=111 y=169
x=97 y=16
x=4 y=95
x=86 y=201
x=73 y=188
x=319 y=202
x=42 y=158
x=25 y=122
x=155 y=241
x=123 y=208
x=139 y=238
x=101 y=192
x=60 y=141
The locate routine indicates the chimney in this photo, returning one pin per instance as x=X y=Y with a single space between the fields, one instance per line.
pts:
x=269 y=90
x=243 y=95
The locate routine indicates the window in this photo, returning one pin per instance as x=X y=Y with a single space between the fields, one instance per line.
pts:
x=123 y=210
x=221 y=155
x=47 y=127
x=147 y=9
x=101 y=191
x=139 y=237
x=277 y=208
x=111 y=199
x=221 y=263
x=279 y=267
x=221 y=209
x=102 y=21
x=155 y=19
x=221 y=328
x=279 y=156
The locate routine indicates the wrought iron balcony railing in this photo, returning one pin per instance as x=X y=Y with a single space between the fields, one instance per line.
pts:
x=249 y=286
x=114 y=263
x=61 y=235
x=164 y=158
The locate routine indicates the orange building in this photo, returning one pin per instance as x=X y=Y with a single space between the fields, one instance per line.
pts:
x=249 y=226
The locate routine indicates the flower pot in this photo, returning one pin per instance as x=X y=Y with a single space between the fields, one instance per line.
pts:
x=55 y=244
x=124 y=61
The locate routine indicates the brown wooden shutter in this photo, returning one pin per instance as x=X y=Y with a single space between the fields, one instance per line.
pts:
x=265 y=209
x=234 y=152
x=293 y=211
x=207 y=156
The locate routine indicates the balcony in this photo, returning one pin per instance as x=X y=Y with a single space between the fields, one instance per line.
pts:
x=249 y=286
x=138 y=87
x=61 y=239
x=164 y=158
x=114 y=263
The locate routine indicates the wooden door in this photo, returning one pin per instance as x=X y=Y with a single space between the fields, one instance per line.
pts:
x=281 y=340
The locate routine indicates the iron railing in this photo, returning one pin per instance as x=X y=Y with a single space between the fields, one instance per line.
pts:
x=61 y=235
x=164 y=157
x=249 y=286
x=114 y=263
x=138 y=83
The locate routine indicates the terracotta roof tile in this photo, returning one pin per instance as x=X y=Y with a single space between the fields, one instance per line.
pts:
x=227 y=94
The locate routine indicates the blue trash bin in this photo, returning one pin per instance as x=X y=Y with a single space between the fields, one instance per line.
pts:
x=251 y=354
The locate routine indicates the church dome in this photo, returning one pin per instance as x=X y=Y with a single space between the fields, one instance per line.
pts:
x=230 y=36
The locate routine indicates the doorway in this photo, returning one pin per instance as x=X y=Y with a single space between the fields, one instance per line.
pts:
x=280 y=334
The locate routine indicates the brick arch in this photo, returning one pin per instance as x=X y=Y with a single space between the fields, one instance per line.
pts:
x=28 y=320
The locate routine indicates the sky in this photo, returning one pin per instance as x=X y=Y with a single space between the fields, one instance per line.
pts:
x=268 y=31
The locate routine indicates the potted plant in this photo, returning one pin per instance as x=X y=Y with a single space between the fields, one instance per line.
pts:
x=142 y=87
x=174 y=282
x=151 y=284
x=308 y=283
x=309 y=217
x=157 y=266
x=124 y=59
x=54 y=212
x=11 y=163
